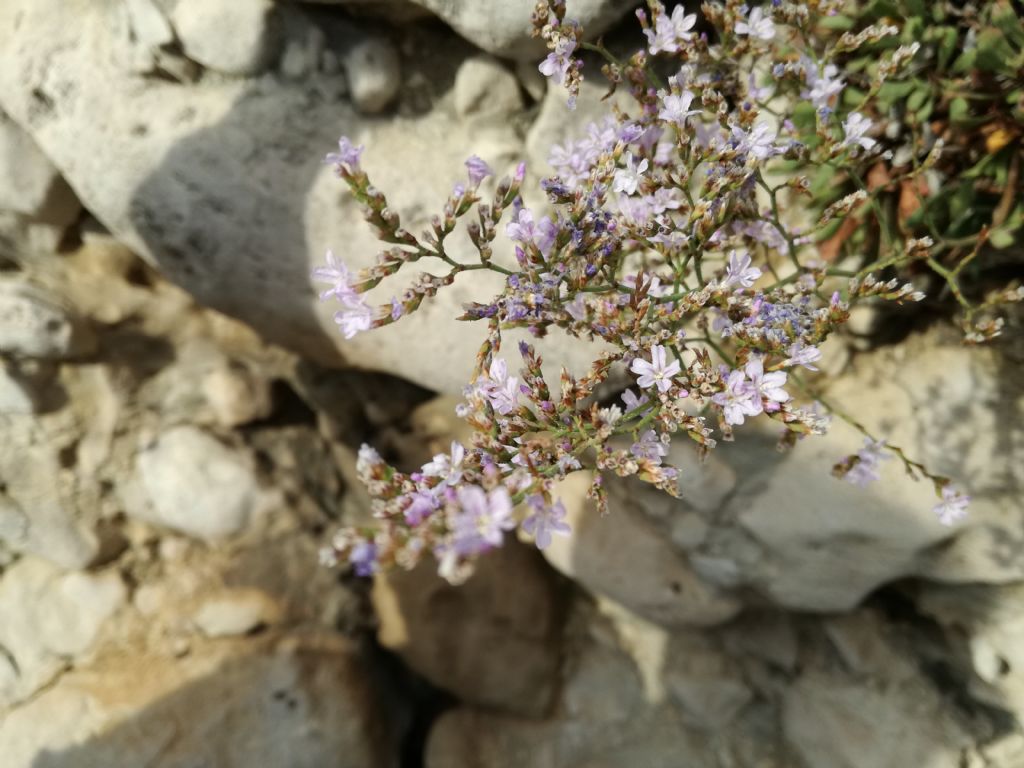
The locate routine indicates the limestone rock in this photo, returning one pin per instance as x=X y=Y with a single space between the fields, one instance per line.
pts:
x=809 y=541
x=503 y=27
x=37 y=518
x=31 y=184
x=373 y=71
x=604 y=718
x=33 y=324
x=832 y=720
x=484 y=87
x=623 y=556
x=984 y=627
x=49 y=618
x=235 y=612
x=16 y=394
x=493 y=641
x=237 y=395
x=166 y=150
x=304 y=703
x=149 y=26
x=201 y=27
x=197 y=485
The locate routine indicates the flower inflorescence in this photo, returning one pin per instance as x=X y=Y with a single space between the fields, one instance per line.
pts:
x=665 y=239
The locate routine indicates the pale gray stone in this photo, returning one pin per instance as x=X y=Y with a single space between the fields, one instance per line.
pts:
x=197 y=485
x=34 y=324
x=30 y=184
x=373 y=71
x=484 y=87
x=623 y=556
x=235 y=37
x=49 y=618
x=305 y=702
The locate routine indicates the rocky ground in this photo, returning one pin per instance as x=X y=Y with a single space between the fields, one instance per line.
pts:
x=180 y=423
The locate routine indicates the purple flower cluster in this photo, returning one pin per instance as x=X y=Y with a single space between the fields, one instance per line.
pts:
x=667 y=236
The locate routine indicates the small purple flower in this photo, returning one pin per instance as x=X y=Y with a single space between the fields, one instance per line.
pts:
x=521 y=228
x=449 y=469
x=669 y=31
x=802 y=354
x=557 y=64
x=347 y=154
x=481 y=519
x=632 y=402
x=822 y=83
x=628 y=179
x=739 y=271
x=363 y=558
x=547 y=233
x=354 y=319
x=500 y=389
x=649 y=446
x=855 y=127
x=738 y=400
x=421 y=505
x=869 y=460
x=757 y=25
x=758 y=142
x=478 y=170
x=768 y=386
x=545 y=520
x=657 y=371
x=676 y=108
x=336 y=273
x=953 y=506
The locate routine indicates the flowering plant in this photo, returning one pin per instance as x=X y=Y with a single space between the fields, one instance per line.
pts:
x=671 y=239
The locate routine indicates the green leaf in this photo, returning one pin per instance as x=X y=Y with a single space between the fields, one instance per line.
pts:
x=894 y=91
x=947 y=45
x=959 y=109
x=880 y=8
x=914 y=7
x=965 y=61
x=852 y=97
x=926 y=110
x=838 y=22
x=993 y=50
x=1006 y=21
x=1001 y=238
x=918 y=97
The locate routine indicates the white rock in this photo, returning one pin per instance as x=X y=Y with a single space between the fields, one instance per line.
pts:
x=489 y=645
x=149 y=26
x=984 y=627
x=50 y=617
x=77 y=605
x=373 y=70
x=38 y=519
x=812 y=542
x=237 y=395
x=624 y=557
x=235 y=612
x=197 y=485
x=827 y=718
x=307 y=704
x=33 y=324
x=533 y=82
x=484 y=87
x=16 y=395
x=503 y=27
x=30 y=184
x=230 y=36
x=166 y=150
